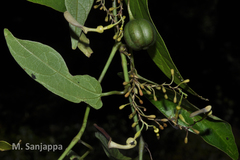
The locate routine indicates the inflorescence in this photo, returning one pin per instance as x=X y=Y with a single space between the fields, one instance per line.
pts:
x=139 y=85
x=112 y=17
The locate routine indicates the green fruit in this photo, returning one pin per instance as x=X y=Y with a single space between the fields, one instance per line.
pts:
x=139 y=34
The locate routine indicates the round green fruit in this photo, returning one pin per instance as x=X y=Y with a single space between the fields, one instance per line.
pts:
x=139 y=34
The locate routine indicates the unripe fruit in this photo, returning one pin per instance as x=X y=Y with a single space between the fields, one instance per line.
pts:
x=139 y=34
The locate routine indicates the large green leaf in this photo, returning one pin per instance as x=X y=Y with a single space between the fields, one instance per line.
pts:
x=159 y=52
x=79 y=9
x=47 y=67
x=213 y=130
x=58 y=5
x=112 y=153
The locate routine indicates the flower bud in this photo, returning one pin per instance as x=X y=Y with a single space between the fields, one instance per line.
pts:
x=172 y=72
x=127 y=94
x=158 y=87
x=175 y=99
x=122 y=106
x=106 y=18
x=131 y=115
x=161 y=127
x=163 y=89
x=125 y=83
x=196 y=131
x=137 y=134
x=178 y=107
x=135 y=90
x=148 y=92
x=155 y=98
x=151 y=116
x=134 y=124
x=95 y=6
x=186 y=140
x=111 y=9
x=164 y=124
x=186 y=81
x=156 y=130
x=164 y=120
x=165 y=96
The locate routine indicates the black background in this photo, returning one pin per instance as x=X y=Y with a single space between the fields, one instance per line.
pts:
x=201 y=36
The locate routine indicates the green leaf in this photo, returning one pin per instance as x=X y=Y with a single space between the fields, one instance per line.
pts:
x=79 y=9
x=47 y=67
x=112 y=153
x=213 y=130
x=58 y=5
x=159 y=52
x=84 y=46
x=4 y=146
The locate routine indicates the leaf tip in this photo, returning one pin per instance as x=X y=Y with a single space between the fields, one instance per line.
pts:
x=6 y=32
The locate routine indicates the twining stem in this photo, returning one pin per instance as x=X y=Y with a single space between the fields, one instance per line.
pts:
x=87 y=111
x=135 y=118
x=126 y=79
x=78 y=136
x=125 y=69
x=114 y=49
x=80 y=133
x=141 y=148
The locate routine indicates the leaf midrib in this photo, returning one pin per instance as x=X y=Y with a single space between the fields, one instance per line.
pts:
x=54 y=69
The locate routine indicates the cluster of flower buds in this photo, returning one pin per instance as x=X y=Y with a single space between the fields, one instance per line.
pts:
x=139 y=86
x=113 y=16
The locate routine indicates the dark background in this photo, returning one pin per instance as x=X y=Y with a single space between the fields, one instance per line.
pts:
x=202 y=38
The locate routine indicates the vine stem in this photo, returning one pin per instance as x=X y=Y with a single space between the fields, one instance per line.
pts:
x=114 y=50
x=78 y=136
x=126 y=79
x=135 y=118
x=84 y=124
x=87 y=111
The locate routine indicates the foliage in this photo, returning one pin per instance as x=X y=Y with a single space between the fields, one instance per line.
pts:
x=47 y=67
x=4 y=146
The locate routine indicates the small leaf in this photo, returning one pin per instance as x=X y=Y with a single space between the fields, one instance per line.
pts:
x=112 y=153
x=79 y=9
x=4 y=146
x=159 y=52
x=58 y=5
x=213 y=130
x=83 y=45
x=47 y=67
